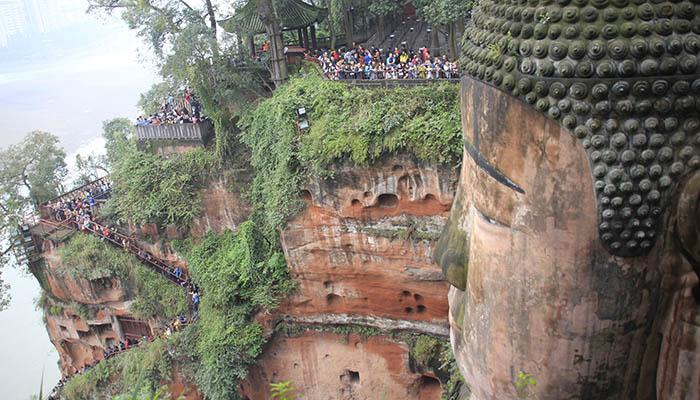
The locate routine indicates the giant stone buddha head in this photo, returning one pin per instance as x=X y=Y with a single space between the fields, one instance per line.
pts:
x=568 y=246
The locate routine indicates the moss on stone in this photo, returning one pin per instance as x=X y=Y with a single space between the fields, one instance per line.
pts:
x=452 y=250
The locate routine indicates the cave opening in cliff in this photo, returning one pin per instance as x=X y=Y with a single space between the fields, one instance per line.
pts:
x=133 y=328
x=388 y=200
x=306 y=196
x=429 y=387
x=332 y=299
x=350 y=376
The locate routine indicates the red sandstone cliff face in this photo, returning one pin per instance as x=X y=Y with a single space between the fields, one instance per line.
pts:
x=105 y=291
x=361 y=254
x=361 y=251
x=328 y=366
x=105 y=320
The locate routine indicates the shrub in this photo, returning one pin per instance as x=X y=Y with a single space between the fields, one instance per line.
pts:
x=358 y=125
x=85 y=256
x=156 y=296
x=241 y=274
x=136 y=373
x=149 y=188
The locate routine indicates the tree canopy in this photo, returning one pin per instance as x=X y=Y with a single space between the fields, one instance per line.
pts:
x=31 y=172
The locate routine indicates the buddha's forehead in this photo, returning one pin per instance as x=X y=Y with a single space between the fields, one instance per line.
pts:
x=622 y=76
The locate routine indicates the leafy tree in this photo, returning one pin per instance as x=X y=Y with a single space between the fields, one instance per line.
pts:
x=120 y=139
x=31 y=172
x=183 y=39
x=89 y=168
x=384 y=7
x=451 y=13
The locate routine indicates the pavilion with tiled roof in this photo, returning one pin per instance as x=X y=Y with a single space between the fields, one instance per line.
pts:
x=295 y=15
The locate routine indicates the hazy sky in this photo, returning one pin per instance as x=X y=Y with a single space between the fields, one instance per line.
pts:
x=64 y=72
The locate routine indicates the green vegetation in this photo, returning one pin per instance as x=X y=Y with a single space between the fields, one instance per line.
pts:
x=354 y=124
x=524 y=384
x=87 y=257
x=32 y=172
x=156 y=296
x=283 y=391
x=242 y=274
x=149 y=188
x=138 y=373
x=430 y=353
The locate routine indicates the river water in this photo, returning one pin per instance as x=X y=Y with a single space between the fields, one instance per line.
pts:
x=63 y=72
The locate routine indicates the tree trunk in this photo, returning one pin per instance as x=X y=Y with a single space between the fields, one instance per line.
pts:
x=314 y=40
x=305 y=34
x=333 y=38
x=459 y=29
x=347 y=24
x=250 y=42
x=212 y=17
x=274 y=34
x=452 y=39
x=435 y=41
x=381 y=33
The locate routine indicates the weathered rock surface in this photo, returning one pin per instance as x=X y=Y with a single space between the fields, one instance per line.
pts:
x=535 y=290
x=361 y=252
x=329 y=366
x=364 y=244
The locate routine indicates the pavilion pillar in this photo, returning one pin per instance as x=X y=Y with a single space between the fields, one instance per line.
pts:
x=250 y=42
x=301 y=38
x=314 y=40
x=305 y=34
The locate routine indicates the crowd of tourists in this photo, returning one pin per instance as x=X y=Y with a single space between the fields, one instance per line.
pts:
x=80 y=203
x=185 y=110
x=110 y=351
x=124 y=345
x=373 y=64
x=79 y=210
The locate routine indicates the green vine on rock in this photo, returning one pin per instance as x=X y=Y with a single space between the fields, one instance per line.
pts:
x=358 y=125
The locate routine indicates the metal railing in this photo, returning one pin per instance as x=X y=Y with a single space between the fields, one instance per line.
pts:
x=392 y=83
x=201 y=132
x=70 y=195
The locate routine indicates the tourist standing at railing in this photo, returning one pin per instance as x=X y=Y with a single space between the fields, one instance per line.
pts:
x=373 y=64
x=186 y=110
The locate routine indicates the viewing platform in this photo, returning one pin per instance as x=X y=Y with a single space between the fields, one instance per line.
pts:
x=199 y=132
x=169 y=139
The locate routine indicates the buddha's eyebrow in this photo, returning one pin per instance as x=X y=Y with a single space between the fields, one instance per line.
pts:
x=482 y=163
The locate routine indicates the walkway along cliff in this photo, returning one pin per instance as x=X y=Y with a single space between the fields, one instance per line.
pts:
x=369 y=313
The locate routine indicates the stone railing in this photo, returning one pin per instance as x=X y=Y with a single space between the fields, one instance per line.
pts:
x=392 y=83
x=199 y=132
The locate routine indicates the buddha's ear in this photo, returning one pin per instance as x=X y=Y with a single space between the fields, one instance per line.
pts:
x=688 y=219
